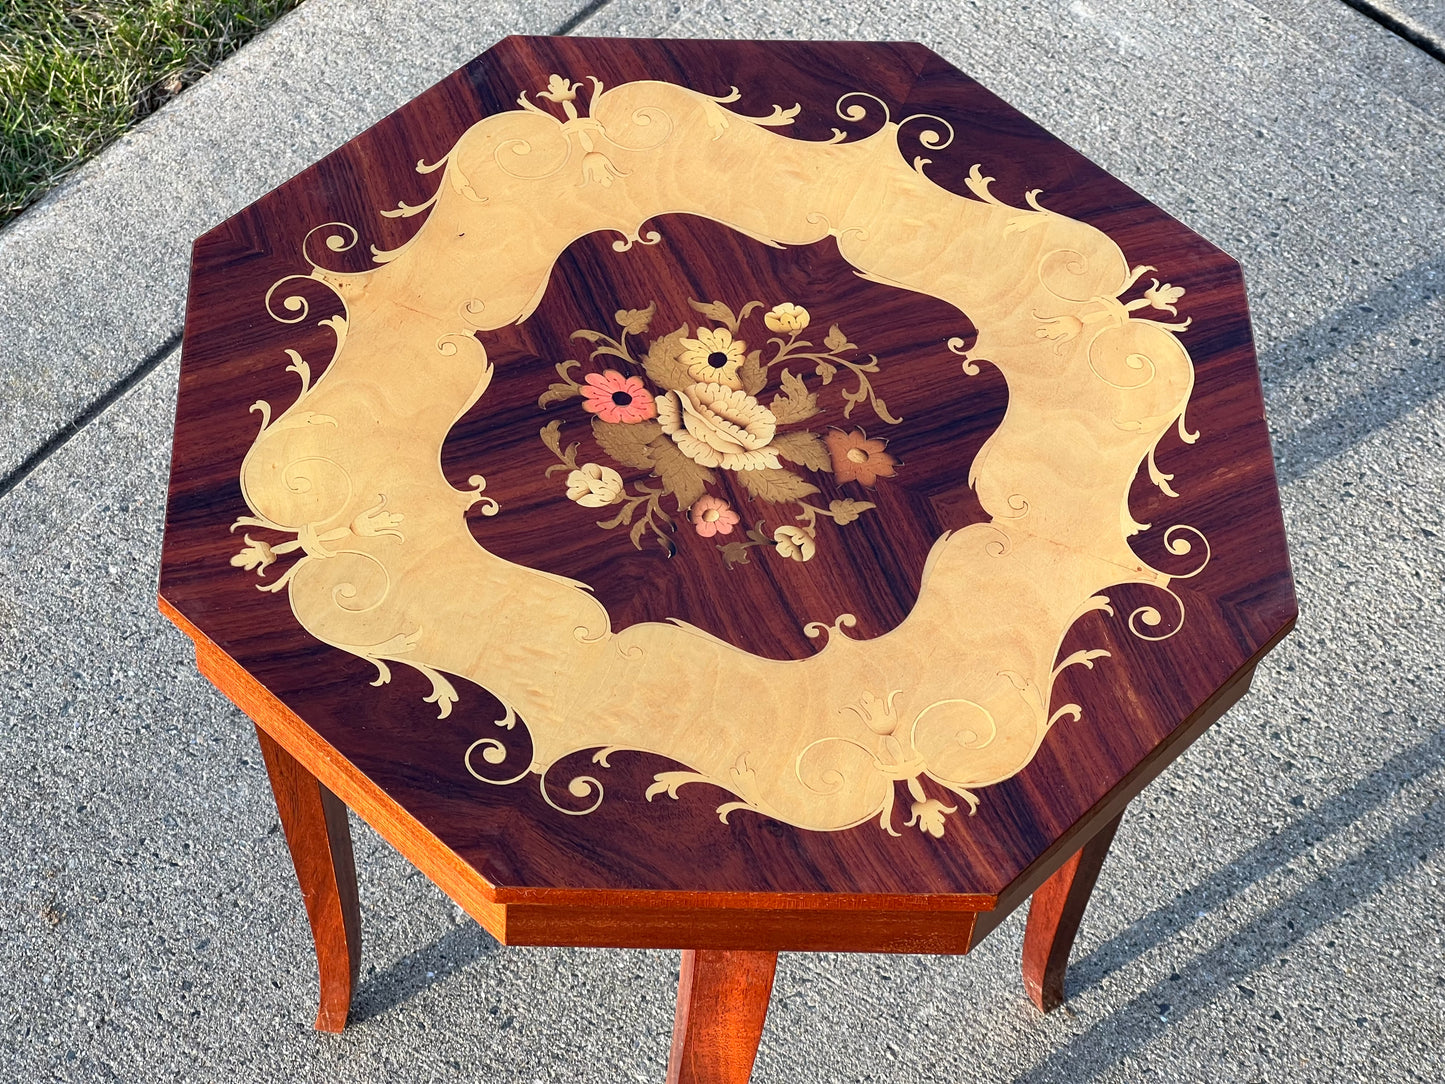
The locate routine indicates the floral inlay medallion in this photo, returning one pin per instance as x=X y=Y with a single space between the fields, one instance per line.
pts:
x=696 y=403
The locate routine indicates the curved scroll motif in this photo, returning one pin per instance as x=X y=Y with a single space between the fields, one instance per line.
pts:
x=1146 y=621
x=386 y=559
x=335 y=241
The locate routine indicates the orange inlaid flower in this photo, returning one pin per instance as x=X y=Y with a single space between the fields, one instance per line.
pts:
x=856 y=458
x=617 y=398
x=712 y=516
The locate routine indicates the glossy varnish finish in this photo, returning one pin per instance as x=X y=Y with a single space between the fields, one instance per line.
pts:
x=669 y=871
x=319 y=837
x=722 y=1002
x=1055 y=911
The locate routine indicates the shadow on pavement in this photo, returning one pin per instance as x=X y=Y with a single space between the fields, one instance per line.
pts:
x=428 y=966
x=1417 y=374
x=1283 y=926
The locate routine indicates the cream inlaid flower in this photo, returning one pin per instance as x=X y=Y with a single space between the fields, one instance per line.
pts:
x=877 y=713
x=594 y=486
x=794 y=542
x=714 y=357
x=596 y=166
x=928 y=815
x=1164 y=298
x=717 y=426
x=559 y=89
x=377 y=521
x=786 y=317
x=257 y=555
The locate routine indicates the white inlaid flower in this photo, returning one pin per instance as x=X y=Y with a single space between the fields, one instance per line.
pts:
x=786 y=317
x=257 y=555
x=717 y=426
x=1165 y=297
x=794 y=542
x=559 y=89
x=376 y=521
x=594 y=486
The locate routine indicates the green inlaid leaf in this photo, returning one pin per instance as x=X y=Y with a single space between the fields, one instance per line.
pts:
x=795 y=403
x=627 y=442
x=803 y=448
x=685 y=480
x=663 y=362
x=776 y=485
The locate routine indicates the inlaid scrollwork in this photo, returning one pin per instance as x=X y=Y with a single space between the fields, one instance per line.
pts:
x=377 y=558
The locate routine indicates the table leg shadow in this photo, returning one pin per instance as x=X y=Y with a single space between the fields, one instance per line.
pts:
x=723 y=996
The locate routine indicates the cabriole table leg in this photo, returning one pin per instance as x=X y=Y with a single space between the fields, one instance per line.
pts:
x=1055 y=911
x=317 y=832
x=722 y=1001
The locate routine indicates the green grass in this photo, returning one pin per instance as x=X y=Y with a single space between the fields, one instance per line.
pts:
x=74 y=75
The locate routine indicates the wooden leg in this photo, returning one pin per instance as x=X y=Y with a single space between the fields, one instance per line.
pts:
x=1054 y=914
x=722 y=1001
x=314 y=820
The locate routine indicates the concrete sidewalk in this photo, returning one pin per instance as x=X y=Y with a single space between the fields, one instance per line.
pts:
x=1272 y=910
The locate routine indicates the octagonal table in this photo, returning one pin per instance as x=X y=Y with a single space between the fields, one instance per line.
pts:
x=729 y=496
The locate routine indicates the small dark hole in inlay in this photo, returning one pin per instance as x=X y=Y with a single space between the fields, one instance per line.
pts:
x=717 y=359
x=621 y=398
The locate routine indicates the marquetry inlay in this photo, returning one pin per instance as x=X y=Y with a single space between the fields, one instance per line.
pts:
x=745 y=425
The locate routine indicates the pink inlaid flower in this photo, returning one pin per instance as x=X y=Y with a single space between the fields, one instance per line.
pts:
x=712 y=515
x=617 y=398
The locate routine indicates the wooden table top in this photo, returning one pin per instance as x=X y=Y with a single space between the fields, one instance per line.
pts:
x=721 y=474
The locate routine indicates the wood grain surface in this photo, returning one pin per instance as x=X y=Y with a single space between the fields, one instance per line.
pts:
x=573 y=878
x=1055 y=911
x=319 y=838
x=722 y=1003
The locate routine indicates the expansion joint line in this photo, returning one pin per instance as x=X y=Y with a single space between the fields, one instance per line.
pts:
x=1402 y=27
x=97 y=407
